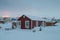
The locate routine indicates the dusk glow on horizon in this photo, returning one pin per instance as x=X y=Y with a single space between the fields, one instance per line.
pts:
x=5 y=14
x=40 y=8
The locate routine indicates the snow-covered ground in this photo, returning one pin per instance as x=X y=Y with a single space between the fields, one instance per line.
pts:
x=47 y=33
x=6 y=25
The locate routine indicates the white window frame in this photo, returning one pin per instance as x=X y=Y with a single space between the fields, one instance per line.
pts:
x=27 y=26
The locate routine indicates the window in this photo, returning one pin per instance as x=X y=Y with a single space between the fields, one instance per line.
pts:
x=27 y=24
x=19 y=23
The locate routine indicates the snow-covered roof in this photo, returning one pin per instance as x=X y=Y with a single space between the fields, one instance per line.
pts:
x=48 y=20
x=33 y=17
x=39 y=18
x=13 y=19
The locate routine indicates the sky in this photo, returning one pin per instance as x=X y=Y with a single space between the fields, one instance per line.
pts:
x=40 y=8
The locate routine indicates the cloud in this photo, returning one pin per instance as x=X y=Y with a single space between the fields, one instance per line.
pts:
x=30 y=7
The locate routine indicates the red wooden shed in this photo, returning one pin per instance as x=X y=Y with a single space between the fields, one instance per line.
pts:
x=29 y=22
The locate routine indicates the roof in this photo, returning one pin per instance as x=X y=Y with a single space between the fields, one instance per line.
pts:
x=33 y=17
x=13 y=19
x=38 y=18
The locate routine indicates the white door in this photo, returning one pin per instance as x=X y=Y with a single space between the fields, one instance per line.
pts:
x=19 y=24
x=26 y=24
x=36 y=23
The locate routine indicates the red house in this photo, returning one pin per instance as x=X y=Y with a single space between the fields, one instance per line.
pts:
x=28 y=22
